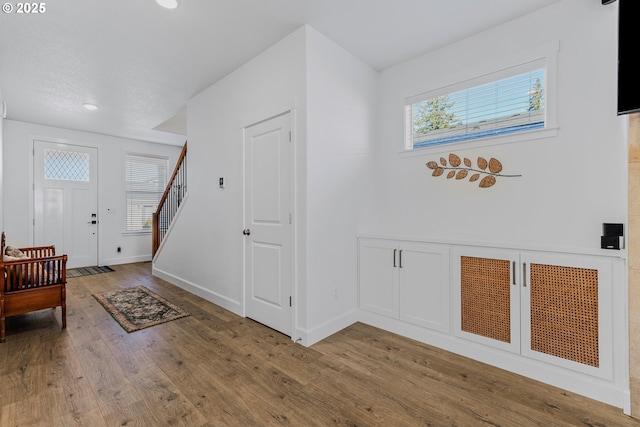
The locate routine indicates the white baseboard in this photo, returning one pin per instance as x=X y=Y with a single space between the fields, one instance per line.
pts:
x=217 y=299
x=330 y=327
x=127 y=260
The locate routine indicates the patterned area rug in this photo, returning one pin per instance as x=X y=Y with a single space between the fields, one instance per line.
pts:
x=86 y=271
x=138 y=308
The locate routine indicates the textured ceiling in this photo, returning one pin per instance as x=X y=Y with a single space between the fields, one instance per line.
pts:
x=140 y=63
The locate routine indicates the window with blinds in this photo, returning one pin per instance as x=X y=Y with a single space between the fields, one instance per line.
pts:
x=145 y=181
x=505 y=102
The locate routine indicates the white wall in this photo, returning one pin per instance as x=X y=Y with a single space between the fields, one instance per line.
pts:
x=203 y=251
x=341 y=108
x=18 y=194
x=332 y=95
x=570 y=183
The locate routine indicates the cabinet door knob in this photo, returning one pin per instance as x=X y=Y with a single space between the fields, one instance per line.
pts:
x=246 y=232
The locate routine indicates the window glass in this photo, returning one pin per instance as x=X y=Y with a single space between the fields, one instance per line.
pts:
x=146 y=178
x=66 y=165
x=504 y=105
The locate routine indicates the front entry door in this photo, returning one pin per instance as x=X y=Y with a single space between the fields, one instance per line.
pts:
x=268 y=222
x=66 y=201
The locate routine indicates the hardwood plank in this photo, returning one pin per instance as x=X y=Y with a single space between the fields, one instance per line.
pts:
x=501 y=390
x=92 y=418
x=215 y=368
x=68 y=389
x=110 y=385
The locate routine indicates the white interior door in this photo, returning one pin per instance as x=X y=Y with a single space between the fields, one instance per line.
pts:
x=66 y=201
x=268 y=223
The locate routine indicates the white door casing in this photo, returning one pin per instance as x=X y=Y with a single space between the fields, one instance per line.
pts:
x=268 y=234
x=66 y=201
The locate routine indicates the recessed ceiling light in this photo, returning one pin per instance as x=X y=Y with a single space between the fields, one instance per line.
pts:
x=169 y=4
x=90 y=107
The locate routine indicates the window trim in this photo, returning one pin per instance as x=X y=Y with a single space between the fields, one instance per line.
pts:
x=544 y=56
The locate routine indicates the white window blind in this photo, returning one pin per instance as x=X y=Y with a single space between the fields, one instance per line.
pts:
x=515 y=103
x=146 y=178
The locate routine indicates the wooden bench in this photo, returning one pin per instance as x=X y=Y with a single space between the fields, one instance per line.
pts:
x=34 y=283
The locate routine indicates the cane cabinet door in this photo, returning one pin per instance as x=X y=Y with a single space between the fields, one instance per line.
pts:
x=567 y=316
x=550 y=307
x=486 y=295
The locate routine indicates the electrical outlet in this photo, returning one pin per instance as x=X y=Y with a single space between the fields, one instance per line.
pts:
x=119 y=249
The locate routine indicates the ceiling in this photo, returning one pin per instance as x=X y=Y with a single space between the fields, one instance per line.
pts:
x=140 y=63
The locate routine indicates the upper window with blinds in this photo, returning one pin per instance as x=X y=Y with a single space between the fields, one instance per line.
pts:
x=499 y=104
x=145 y=181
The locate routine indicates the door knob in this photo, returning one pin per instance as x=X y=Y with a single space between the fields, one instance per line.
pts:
x=246 y=231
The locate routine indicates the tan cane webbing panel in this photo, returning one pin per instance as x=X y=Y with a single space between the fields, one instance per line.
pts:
x=486 y=307
x=564 y=312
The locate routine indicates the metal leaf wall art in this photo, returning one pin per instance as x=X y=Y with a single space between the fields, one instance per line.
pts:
x=462 y=168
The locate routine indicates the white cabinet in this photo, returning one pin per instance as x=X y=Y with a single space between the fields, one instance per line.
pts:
x=378 y=277
x=556 y=308
x=405 y=280
x=554 y=316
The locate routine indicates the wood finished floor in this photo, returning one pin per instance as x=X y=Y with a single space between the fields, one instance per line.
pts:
x=215 y=368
